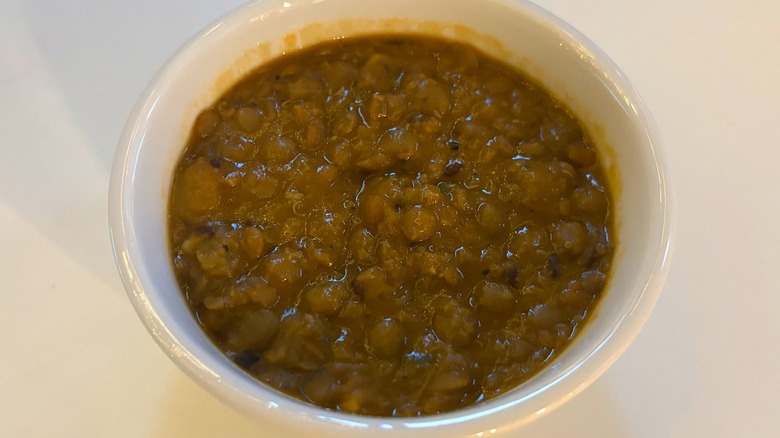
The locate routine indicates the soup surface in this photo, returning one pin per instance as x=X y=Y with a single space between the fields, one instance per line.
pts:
x=389 y=226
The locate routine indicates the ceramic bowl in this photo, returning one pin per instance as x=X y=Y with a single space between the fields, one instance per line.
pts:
x=549 y=50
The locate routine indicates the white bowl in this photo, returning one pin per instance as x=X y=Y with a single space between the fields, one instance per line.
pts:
x=522 y=34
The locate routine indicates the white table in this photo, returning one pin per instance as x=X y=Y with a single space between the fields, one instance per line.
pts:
x=76 y=361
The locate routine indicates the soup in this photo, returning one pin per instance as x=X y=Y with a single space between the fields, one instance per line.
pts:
x=390 y=225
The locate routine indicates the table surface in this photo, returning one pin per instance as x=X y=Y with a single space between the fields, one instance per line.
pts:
x=76 y=360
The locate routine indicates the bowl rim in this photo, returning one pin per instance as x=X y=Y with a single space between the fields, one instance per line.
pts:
x=122 y=228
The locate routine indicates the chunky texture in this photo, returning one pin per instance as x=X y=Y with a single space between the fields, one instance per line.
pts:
x=392 y=226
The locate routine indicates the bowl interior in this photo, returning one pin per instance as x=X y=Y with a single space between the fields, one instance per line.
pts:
x=555 y=55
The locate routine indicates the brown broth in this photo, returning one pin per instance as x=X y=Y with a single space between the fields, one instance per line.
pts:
x=390 y=225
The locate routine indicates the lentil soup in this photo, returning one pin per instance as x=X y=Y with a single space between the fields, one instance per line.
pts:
x=390 y=225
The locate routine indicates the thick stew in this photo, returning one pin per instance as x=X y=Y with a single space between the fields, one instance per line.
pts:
x=390 y=226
